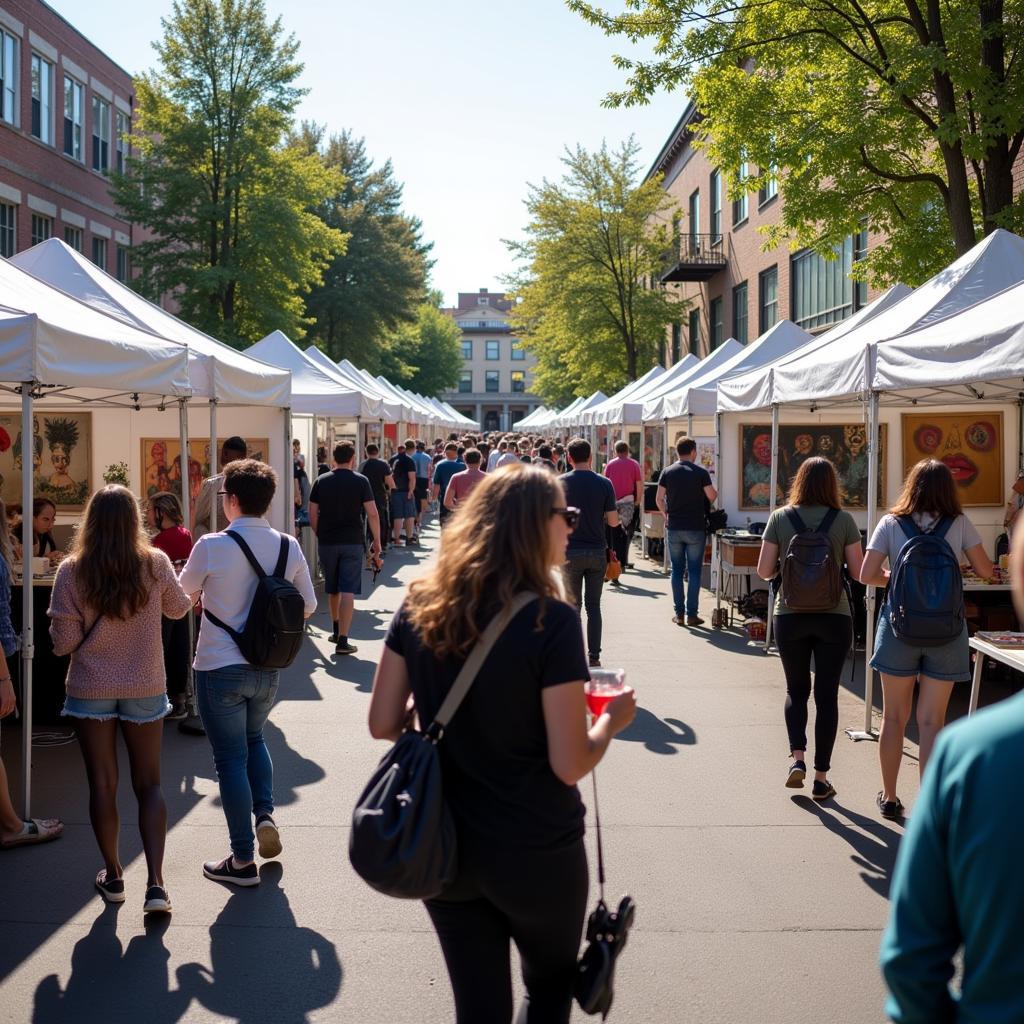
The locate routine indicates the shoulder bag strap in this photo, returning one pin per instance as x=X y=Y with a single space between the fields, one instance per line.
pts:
x=282 y=559
x=908 y=526
x=247 y=551
x=468 y=673
x=794 y=518
x=830 y=517
x=941 y=528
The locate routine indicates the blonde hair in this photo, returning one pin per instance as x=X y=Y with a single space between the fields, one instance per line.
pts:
x=495 y=546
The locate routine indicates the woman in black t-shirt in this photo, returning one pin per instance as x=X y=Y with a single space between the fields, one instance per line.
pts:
x=513 y=752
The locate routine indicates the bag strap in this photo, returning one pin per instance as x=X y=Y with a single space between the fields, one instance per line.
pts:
x=908 y=526
x=247 y=551
x=597 y=826
x=468 y=673
x=830 y=517
x=282 y=559
x=88 y=633
x=941 y=528
x=795 y=521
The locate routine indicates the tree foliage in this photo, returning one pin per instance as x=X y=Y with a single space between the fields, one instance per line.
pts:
x=378 y=283
x=227 y=200
x=906 y=113
x=425 y=356
x=595 y=243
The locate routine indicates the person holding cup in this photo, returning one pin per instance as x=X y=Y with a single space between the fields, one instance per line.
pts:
x=516 y=748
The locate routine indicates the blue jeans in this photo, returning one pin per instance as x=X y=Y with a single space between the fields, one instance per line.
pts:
x=686 y=549
x=234 y=703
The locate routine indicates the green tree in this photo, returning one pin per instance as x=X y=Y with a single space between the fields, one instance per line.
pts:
x=425 y=356
x=228 y=201
x=587 y=302
x=908 y=114
x=377 y=284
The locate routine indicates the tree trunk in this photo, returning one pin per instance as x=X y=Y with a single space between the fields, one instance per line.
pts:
x=997 y=163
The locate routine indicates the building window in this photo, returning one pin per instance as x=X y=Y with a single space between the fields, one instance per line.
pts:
x=99 y=252
x=695 y=221
x=465 y=381
x=677 y=341
x=467 y=348
x=73 y=237
x=518 y=353
x=769 y=190
x=7 y=233
x=8 y=78
x=124 y=266
x=100 y=135
x=694 y=332
x=768 y=299
x=73 y=100
x=42 y=99
x=822 y=290
x=121 y=142
x=739 y=313
x=715 y=316
x=483 y=300
x=716 y=205
x=491 y=380
x=739 y=205
x=42 y=228
x=519 y=381
x=493 y=349
x=860 y=252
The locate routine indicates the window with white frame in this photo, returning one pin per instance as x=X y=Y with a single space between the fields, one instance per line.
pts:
x=518 y=352
x=42 y=99
x=124 y=266
x=519 y=381
x=769 y=190
x=8 y=236
x=740 y=209
x=823 y=292
x=483 y=300
x=493 y=349
x=121 y=142
x=73 y=237
x=8 y=77
x=465 y=381
x=717 y=327
x=739 y=313
x=467 y=348
x=716 y=206
x=491 y=380
x=42 y=228
x=100 y=134
x=73 y=102
x=99 y=252
x=768 y=300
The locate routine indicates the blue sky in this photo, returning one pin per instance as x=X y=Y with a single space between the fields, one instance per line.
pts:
x=470 y=100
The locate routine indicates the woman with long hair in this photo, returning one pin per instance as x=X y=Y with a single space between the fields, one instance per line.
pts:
x=108 y=599
x=516 y=748
x=824 y=634
x=929 y=498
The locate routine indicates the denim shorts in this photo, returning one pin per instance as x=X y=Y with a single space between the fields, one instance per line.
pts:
x=402 y=506
x=343 y=568
x=128 y=709
x=895 y=657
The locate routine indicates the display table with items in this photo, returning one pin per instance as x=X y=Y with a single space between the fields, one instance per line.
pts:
x=1005 y=647
x=734 y=555
x=50 y=671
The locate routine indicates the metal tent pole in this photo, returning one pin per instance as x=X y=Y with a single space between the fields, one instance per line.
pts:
x=288 y=478
x=27 y=595
x=664 y=524
x=192 y=724
x=215 y=466
x=773 y=484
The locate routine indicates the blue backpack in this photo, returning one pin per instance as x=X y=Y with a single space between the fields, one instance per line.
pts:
x=926 y=591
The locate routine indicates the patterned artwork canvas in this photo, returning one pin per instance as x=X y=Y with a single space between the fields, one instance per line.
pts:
x=969 y=443
x=61 y=451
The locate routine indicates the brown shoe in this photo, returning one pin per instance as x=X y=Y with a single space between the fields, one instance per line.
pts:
x=694 y=620
x=679 y=620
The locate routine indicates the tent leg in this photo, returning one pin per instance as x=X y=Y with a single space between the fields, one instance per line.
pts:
x=27 y=603
x=664 y=525
x=191 y=724
x=774 y=480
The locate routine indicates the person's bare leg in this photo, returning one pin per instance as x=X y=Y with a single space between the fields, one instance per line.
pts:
x=932 y=701
x=144 y=742
x=11 y=824
x=333 y=602
x=410 y=528
x=346 y=608
x=897 y=698
x=98 y=742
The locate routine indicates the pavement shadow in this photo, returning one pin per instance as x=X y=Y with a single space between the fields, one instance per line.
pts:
x=263 y=964
x=122 y=984
x=735 y=642
x=874 y=853
x=658 y=735
x=627 y=586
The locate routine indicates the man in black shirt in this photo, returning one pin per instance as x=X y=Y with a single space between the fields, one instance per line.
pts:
x=337 y=504
x=378 y=472
x=594 y=496
x=403 y=497
x=682 y=489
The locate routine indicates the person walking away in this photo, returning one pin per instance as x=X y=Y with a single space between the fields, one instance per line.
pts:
x=403 y=497
x=301 y=488
x=485 y=455
x=443 y=473
x=337 y=504
x=522 y=865
x=496 y=454
x=378 y=472
x=108 y=598
x=587 y=555
x=235 y=698
x=171 y=537
x=544 y=458
x=628 y=480
x=208 y=515
x=13 y=830
x=510 y=454
x=462 y=484
x=424 y=470
x=321 y=460
x=816 y=623
x=929 y=504
x=682 y=488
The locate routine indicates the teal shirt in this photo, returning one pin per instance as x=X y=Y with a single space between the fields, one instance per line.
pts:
x=959 y=879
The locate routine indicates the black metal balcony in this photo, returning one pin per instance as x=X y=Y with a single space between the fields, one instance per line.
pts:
x=695 y=258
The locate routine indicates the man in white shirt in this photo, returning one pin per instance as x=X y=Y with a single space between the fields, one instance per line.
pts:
x=497 y=453
x=234 y=697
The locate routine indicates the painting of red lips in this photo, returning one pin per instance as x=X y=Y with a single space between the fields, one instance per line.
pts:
x=970 y=444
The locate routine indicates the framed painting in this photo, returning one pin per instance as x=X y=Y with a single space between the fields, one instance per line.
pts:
x=843 y=444
x=969 y=443
x=160 y=458
x=61 y=458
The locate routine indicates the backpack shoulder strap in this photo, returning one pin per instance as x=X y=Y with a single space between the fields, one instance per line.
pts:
x=830 y=517
x=794 y=518
x=247 y=551
x=282 y=559
x=908 y=526
x=941 y=528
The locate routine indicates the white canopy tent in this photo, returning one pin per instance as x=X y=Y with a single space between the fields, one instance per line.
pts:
x=689 y=368
x=534 y=418
x=387 y=408
x=596 y=414
x=574 y=419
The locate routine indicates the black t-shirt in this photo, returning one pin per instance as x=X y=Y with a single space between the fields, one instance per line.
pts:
x=401 y=466
x=340 y=495
x=593 y=495
x=375 y=470
x=498 y=780
x=684 y=484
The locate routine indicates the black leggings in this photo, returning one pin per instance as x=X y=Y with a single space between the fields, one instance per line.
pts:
x=827 y=637
x=536 y=898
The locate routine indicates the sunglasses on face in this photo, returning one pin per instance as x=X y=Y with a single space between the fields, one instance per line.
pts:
x=570 y=515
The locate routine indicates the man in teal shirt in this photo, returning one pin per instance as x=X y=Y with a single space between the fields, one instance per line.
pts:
x=959 y=879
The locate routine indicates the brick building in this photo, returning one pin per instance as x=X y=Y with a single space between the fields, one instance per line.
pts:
x=736 y=289
x=494 y=385
x=64 y=110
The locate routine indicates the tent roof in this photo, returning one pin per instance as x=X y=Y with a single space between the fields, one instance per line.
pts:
x=314 y=390
x=388 y=408
x=633 y=387
x=215 y=370
x=651 y=407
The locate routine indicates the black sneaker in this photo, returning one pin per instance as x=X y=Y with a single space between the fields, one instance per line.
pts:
x=346 y=648
x=225 y=871
x=822 y=790
x=333 y=638
x=891 y=809
x=157 y=901
x=595 y=661
x=267 y=836
x=796 y=776
x=113 y=890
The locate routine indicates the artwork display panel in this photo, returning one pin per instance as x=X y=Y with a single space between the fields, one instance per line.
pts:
x=160 y=458
x=969 y=443
x=61 y=458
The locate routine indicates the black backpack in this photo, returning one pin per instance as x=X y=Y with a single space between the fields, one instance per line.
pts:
x=812 y=579
x=275 y=625
x=926 y=592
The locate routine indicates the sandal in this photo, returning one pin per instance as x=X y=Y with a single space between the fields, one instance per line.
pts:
x=113 y=890
x=37 y=830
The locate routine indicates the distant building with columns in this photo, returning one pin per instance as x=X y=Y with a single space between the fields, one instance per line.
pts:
x=497 y=374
